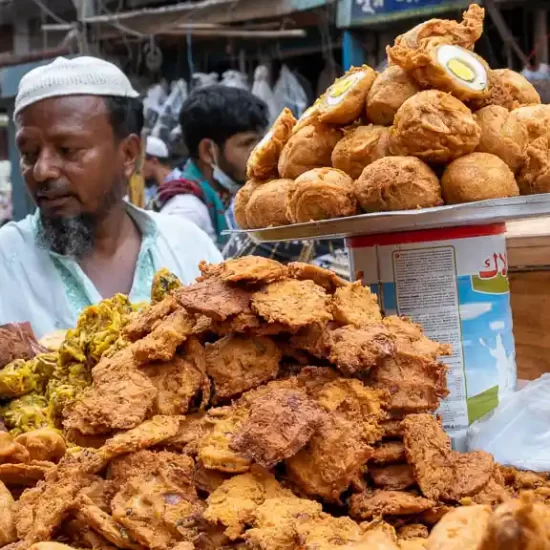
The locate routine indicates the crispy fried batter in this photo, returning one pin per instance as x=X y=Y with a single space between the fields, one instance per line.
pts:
x=40 y=510
x=146 y=464
x=319 y=275
x=142 y=322
x=355 y=304
x=156 y=510
x=105 y=525
x=252 y=269
x=119 y=399
x=413 y=531
x=214 y=298
x=397 y=477
x=191 y=430
x=43 y=445
x=312 y=339
x=25 y=475
x=443 y=474
x=387 y=503
x=238 y=363
x=292 y=303
x=411 y=335
x=276 y=521
x=181 y=383
x=352 y=400
x=392 y=428
x=279 y=425
x=357 y=350
x=388 y=452
x=415 y=382
x=461 y=529
x=234 y=503
x=332 y=459
x=214 y=449
x=166 y=336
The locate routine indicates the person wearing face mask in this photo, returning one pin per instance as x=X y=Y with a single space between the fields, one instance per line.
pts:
x=220 y=127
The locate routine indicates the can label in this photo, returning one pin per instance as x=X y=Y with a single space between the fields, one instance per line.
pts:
x=454 y=282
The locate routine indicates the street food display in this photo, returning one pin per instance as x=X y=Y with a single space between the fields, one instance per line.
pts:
x=437 y=103
x=264 y=406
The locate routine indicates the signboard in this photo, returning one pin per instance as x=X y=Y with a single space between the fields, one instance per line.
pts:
x=368 y=12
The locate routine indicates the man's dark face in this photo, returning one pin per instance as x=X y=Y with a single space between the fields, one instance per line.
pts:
x=74 y=168
x=235 y=153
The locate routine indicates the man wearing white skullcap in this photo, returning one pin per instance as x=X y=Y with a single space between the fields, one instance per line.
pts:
x=156 y=167
x=78 y=123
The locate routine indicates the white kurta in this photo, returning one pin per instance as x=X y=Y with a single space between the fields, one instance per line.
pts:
x=50 y=290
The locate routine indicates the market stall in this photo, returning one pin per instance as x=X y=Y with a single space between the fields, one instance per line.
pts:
x=277 y=407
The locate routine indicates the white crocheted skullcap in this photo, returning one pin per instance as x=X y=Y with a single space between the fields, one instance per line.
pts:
x=66 y=77
x=155 y=147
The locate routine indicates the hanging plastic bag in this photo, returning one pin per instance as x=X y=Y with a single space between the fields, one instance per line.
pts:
x=169 y=112
x=201 y=80
x=235 y=79
x=289 y=93
x=517 y=432
x=153 y=102
x=262 y=89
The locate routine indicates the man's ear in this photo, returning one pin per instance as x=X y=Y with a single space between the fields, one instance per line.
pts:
x=206 y=147
x=130 y=149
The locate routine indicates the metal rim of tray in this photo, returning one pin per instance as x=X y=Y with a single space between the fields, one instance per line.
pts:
x=477 y=213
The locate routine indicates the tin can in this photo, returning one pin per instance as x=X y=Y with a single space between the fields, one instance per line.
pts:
x=454 y=282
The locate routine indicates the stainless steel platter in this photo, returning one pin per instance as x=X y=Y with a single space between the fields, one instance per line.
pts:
x=478 y=213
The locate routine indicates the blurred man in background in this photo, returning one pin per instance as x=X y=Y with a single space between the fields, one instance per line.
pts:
x=220 y=127
x=156 y=166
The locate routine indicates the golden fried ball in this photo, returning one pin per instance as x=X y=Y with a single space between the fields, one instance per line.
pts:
x=262 y=163
x=309 y=116
x=508 y=89
x=267 y=204
x=321 y=194
x=450 y=68
x=397 y=183
x=389 y=91
x=535 y=120
x=344 y=101
x=501 y=135
x=359 y=147
x=478 y=177
x=241 y=202
x=409 y=50
x=435 y=127
x=534 y=176
x=309 y=148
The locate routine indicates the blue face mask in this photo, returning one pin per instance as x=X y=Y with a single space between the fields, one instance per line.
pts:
x=222 y=178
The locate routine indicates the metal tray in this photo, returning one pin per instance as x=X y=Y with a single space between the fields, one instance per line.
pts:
x=477 y=213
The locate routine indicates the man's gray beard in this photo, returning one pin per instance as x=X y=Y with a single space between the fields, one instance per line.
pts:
x=73 y=237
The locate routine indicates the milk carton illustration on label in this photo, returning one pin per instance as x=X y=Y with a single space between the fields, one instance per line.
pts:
x=455 y=283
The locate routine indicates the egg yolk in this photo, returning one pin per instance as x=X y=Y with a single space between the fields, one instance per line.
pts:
x=340 y=88
x=461 y=70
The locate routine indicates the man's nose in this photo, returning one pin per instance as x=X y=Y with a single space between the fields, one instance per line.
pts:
x=47 y=166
